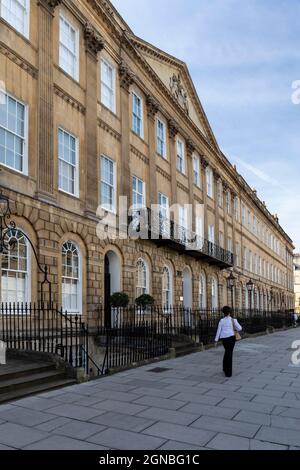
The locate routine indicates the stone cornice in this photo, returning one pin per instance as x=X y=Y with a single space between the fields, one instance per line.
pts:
x=163 y=173
x=69 y=99
x=94 y=42
x=182 y=187
x=109 y=129
x=18 y=60
x=126 y=76
x=139 y=154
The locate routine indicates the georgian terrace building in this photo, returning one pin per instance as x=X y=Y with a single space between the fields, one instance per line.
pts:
x=90 y=112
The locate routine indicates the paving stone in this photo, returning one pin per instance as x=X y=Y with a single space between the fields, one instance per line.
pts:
x=244 y=405
x=72 y=411
x=17 y=436
x=174 y=445
x=226 y=426
x=169 y=416
x=123 y=421
x=277 y=401
x=252 y=417
x=260 y=391
x=118 y=406
x=201 y=409
x=63 y=443
x=3 y=447
x=179 y=433
x=284 y=422
x=154 y=392
x=53 y=424
x=37 y=403
x=279 y=436
x=228 y=442
x=260 y=445
x=24 y=416
x=79 y=429
x=291 y=413
x=230 y=394
x=197 y=398
x=126 y=440
x=168 y=404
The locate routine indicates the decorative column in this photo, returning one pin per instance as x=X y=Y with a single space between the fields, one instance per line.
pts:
x=45 y=186
x=173 y=131
x=190 y=148
x=93 y=44
x=126 y=80
x=217 y=222
x=152 y=107
x=204 y=164
x=225 y=189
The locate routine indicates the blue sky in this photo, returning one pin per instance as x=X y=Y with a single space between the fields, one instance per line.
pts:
x=243 y=57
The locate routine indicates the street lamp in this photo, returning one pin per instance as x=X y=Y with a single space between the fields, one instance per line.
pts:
x=250 y=287
x=231 y=280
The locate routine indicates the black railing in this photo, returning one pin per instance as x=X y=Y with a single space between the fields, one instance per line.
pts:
x=150 y=224
x=45 y=328
x=138 y=334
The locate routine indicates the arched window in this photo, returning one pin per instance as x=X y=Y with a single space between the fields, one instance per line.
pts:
x=15 y=269
x=246 y=299
x=142 y=278
x=202 y=291
x=214 y=294
x=71 y=278
x=167 y=287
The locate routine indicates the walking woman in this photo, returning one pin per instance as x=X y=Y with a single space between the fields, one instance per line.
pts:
x=227 y=328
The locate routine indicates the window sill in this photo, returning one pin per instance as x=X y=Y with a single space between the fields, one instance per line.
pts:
x=140 y=137
x=74 y=196
x=112 y=112
x=14 y=171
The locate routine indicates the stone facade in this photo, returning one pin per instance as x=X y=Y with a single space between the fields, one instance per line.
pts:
x=297 y=281
x=30 y=69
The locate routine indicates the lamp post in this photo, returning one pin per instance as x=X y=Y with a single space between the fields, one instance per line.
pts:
x=250 y=287
x=231 y=280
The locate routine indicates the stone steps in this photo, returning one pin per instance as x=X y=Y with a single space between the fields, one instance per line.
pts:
x=21 y=378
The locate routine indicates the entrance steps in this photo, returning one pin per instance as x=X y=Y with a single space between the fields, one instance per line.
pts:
x=22 y=377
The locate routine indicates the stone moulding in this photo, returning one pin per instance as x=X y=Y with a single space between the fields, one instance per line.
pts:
x=138 y=154
x=103 y=125
x=94 y=42
x=18 y=60
x=69 y=99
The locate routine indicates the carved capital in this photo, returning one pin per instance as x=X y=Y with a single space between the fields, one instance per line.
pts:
x=94 y=42
x=126 y=76
x=190 y=147
x=173 y=128
x=204 y=163
x=50 y=4
x=216 y=174
x=152 y=106
x=225 y=187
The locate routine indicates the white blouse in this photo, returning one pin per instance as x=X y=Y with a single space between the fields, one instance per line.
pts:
x=225 y=328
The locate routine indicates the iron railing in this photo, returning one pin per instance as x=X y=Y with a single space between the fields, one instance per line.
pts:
x=44 y=328
x=151 y=224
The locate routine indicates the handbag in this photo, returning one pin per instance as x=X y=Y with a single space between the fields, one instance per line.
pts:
x=236 y=333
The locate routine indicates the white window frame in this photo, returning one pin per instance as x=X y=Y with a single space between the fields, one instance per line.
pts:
x=196 y=171
x=209 y=182
x=112 y=90
x=134 y=191
x=25 y=138
x=76 y=30
x=28 y=265
x=163 y=140
x=228 y=202
x=214 y=293
x=180 y=157
x=147 y=276
x=167 y=291
x=79 y=283
x=76 y=181
x=211 y=233
x=141 y=117
x=113 y=208
x=220 y=193
x=202 y=292
x=25 y=33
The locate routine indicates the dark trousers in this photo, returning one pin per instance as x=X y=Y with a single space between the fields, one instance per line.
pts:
x=228 y=344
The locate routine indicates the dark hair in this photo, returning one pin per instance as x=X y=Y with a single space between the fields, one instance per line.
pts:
x=226 y=310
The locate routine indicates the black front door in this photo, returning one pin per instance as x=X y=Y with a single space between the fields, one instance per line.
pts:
x=107 y=281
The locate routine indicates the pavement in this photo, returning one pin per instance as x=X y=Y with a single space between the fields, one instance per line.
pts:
x=179 y=404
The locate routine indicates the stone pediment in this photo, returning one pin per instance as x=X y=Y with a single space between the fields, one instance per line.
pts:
x=176 y=77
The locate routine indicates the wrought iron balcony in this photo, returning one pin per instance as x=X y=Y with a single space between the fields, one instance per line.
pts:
x=151 y=225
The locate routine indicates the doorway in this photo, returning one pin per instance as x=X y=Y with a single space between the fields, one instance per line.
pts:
x=112 y=283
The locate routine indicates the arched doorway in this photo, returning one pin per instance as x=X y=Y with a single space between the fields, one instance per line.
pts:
x=112 y=282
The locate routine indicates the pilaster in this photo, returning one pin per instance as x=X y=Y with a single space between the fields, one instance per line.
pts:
x=173 y=131
x=152 y=108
